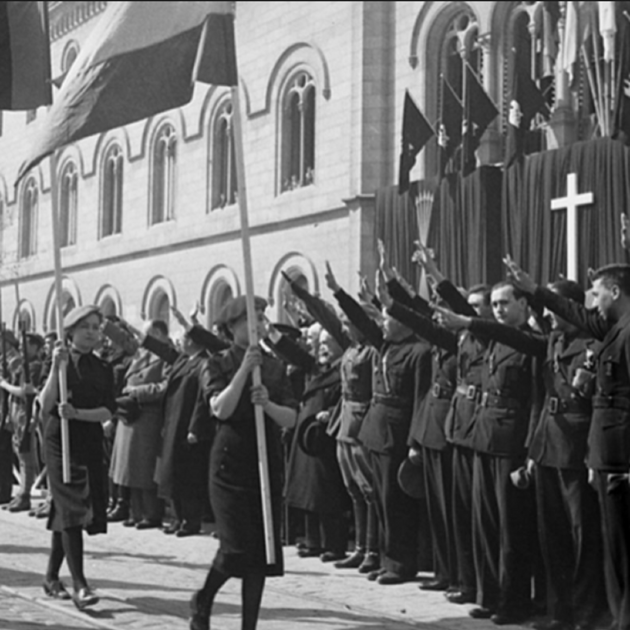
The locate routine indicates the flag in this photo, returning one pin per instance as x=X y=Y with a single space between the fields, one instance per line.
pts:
x=525 y=102
x=24 y=55
x=449 y=130
x=621 y=119
x=141 y=59
x=416 y=132
x=578 y=23
x=607 y=28
x=479 y=112
x=551 y=37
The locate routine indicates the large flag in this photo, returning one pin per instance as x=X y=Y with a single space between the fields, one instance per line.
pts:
x=621 y=120
x=449 y=135
x=525 y=102
x=479 y=112
x=141 y=59
x=24 y=55
x=416 y=132
x=551 y=36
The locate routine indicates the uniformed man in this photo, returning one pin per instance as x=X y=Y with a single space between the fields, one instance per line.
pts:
x=609 y=433
x=427 y=437
x=567 y=511
x=503 y=516
x=401 y=379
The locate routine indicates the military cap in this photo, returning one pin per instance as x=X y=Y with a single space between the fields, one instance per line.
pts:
x=411 y=479
x=237 y=308
x=78 y=313
x=312 y=437
x=35 y=339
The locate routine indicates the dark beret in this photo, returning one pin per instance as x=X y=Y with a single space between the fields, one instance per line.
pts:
x=35 y=339
x=235 y=309
x=78 y=313
x=10 y=338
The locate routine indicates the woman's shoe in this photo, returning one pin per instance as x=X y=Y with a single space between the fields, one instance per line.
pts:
x=56 y=589
x=84 y=597
x=371 y=563
x=199 y=615
x=147 y=523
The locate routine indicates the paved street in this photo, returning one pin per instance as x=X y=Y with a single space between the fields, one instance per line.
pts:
x=145 y=580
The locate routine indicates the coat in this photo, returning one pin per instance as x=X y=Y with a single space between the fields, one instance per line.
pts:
x=137 y=444
x=314 y=481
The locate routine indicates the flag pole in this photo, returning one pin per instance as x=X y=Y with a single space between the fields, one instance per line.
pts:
x=63 y=385
x=252 y=322
x=591 y=82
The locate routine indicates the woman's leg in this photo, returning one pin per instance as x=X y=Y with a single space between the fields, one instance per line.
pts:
x=201 y=603
x=252 y=590
x=72 y=539
x=55 y=560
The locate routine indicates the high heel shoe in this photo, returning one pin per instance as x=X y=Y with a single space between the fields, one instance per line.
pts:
x=56 y=589
x=84 y=597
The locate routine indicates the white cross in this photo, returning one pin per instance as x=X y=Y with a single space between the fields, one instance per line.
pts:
x=570 y=203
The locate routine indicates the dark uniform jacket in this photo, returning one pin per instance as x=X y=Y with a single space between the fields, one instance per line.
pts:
x=428 y=424
x=502 y=416
x=400 y=381
x=560 y=415
x=609 y=434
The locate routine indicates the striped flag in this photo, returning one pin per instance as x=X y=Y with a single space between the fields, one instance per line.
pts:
x=141 y=59
x=24 y=55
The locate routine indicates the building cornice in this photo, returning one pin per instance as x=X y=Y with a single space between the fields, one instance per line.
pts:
x=64 y=17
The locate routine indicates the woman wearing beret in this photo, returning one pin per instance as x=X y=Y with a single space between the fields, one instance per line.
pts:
x=234 y=477
x=81 y=503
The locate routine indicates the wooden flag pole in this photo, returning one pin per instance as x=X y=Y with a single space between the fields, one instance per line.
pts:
x=63 y=385
x=591 y=82
x=252 y=322
x=600 y=82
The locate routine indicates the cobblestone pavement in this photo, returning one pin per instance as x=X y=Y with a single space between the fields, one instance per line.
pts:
x=145 y=580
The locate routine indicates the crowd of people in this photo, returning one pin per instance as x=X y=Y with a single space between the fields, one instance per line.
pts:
x=482 y=436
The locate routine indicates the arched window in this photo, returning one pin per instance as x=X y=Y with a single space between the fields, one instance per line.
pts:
x=159 y=306
x=164 y=160
x=223 y=159
x=108 y=307
x=220 y=294
x=67 y=304
x=291 y=310
x=69 y=55
x=526 y=52
x=28 y=220
x=68 y=205
x=298 y=133
x=112 y=192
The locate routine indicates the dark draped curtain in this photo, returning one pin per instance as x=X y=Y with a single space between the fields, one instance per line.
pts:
x=399 y=222
x=535 y=235
x=465 y=231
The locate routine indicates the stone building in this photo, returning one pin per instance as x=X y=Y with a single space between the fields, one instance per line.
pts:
x=148 y=212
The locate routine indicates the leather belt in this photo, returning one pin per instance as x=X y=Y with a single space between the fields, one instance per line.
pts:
x=392 y=401
x=493 y=400
x=611 y=402
x=558 y=405
x=471 y=392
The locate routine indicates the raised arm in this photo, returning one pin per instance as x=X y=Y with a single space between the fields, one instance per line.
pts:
x=320 y=313
x=359 y=318
x=570 y=310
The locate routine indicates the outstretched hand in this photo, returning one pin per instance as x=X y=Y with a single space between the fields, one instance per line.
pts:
x=383 y=264
x=383 y=293
x=181 y=320
x=365 y=291
x=425 y=257
x=450 y=320
x=331 y=281
x=520 y=278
